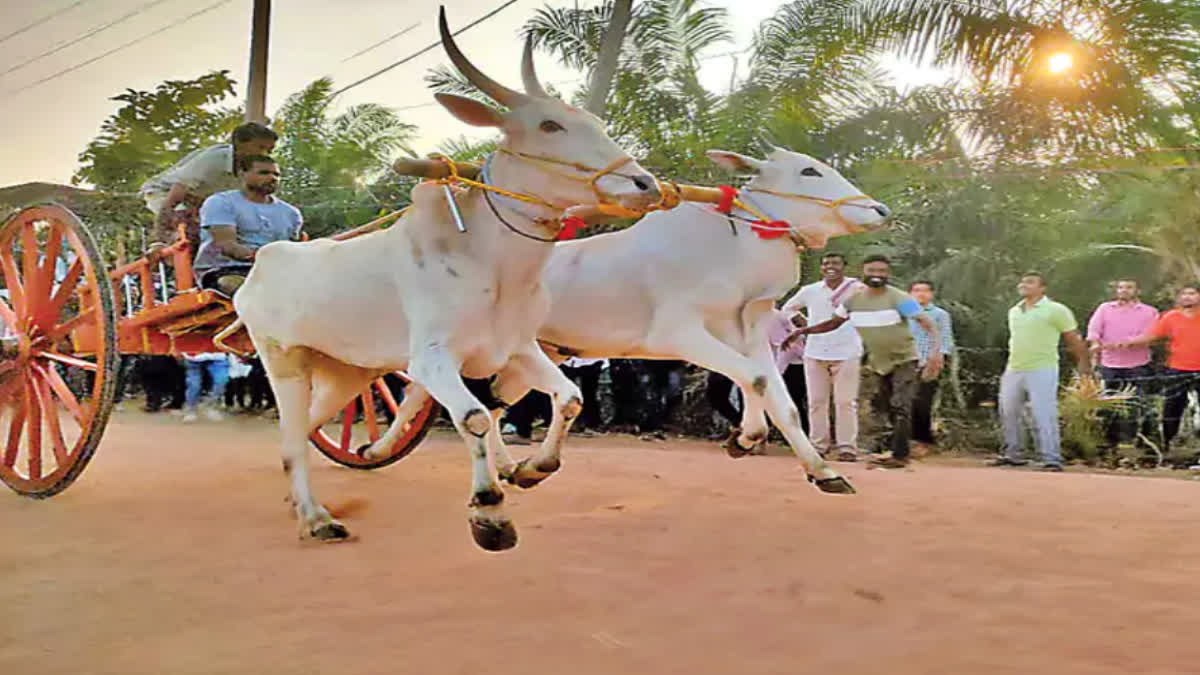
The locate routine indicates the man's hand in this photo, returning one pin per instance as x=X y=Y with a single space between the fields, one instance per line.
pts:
x=933 y=367
x=155 y=252
x=787 y=342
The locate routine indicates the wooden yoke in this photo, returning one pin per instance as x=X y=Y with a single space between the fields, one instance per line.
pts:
x=673 y=193
x=435 y=168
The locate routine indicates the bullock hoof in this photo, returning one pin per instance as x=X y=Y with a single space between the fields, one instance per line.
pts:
x=362 y=450
x=836 y=485
x=332 y=531
x=735 y=449
x=528 y=478
x=492 y=535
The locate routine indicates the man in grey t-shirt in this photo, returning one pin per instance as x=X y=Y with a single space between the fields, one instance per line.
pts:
x=236 y=223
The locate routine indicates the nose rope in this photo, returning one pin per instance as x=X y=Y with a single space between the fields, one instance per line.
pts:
x=768 y=228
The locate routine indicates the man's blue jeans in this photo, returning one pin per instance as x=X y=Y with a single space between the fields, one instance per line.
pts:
x=1041 y=389
x=218 y=370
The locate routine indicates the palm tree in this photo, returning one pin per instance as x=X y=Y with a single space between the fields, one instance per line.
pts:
x=331 y=161
x=606 y=59
x=1082 y=74
x=664 y=38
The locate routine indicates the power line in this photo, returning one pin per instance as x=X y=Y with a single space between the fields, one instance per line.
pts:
x=110 y=52
x=81 y=38
x=380 y=43
x=406 y=59
x=42 y=20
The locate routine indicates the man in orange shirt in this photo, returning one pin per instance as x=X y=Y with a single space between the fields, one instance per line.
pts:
x=1180 y=327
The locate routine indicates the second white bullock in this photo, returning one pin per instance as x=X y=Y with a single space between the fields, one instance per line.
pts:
x=695 y=284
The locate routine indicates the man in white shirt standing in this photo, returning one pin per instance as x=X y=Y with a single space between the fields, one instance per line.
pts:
x=831 y=360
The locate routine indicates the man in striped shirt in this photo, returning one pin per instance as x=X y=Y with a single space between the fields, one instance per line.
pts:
x=922 y=415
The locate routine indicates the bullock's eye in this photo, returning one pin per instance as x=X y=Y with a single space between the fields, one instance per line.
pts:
x=809 y=171
x=550 y=126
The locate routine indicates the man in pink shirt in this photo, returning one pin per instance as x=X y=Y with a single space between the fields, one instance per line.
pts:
x=1121 y=320
x=789 y=361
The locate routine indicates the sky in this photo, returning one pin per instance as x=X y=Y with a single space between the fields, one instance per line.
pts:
x=45 y=127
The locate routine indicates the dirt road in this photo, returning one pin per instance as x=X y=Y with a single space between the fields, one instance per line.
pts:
x=174 y=554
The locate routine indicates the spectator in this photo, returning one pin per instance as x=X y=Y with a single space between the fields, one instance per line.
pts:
x=1180 y=327
x=922 y=416
x=878 y=314
x=831 y=360
x=1116 y=321
x=1034 y=326
x=218 y=369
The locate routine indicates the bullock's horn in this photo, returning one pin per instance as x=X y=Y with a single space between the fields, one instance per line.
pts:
x=528 y=74
x=487 y=85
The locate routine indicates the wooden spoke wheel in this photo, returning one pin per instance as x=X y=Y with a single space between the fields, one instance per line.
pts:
x=58 y=361
x=365 y=420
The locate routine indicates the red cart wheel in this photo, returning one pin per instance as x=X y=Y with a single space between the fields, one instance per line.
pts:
x=341 y=438
x=59 y=328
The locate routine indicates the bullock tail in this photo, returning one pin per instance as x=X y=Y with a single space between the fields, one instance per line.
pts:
x=219 y=338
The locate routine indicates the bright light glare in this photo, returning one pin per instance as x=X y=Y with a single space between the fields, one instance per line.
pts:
x=1060 y=63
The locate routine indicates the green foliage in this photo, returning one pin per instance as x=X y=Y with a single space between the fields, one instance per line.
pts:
x=335 y=167
x=154 y=129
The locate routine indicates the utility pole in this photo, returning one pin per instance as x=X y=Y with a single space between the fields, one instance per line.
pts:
x=256 y=90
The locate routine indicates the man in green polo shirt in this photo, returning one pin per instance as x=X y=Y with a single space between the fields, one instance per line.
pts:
x=1034 y=327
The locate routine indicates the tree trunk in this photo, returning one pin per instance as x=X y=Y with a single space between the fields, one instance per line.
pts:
x=606 y=62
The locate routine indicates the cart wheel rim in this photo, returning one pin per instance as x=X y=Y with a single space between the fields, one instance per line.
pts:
x=56 y=301
x=341 y=438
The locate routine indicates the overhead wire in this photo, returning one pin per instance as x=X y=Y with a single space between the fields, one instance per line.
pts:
x=382 y=42
x=410 y=57
x=41 y=21
x=122 y=47
x=95 y=31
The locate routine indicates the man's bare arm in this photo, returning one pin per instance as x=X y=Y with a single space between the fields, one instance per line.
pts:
x=164 y=224
x=1080 y=349
x=224 y=240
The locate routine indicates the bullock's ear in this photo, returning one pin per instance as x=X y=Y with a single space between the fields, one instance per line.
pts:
x=470 y=111
x=732 y=161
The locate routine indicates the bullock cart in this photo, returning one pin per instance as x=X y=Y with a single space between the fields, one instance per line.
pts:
x=66 y=319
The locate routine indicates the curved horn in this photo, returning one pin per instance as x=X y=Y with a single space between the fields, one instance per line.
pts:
x=487 y=85
x=528 y=74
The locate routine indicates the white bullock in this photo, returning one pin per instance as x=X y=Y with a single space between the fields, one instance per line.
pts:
x=327 y=317
x=694 y=284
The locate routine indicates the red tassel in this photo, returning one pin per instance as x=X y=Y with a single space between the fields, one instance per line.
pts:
x=570 y=226
x=772 y=230
x=728 y=194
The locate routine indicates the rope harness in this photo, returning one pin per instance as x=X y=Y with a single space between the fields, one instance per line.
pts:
x=566 y=227
x=767 y=228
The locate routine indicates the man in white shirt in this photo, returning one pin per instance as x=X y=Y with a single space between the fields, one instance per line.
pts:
x=198 y=175
x=831 y=360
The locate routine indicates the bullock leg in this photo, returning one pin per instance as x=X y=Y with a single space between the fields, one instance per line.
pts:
x=290 y=373
x=414 y=399
x=783 y=412
x=438 y=372
x=753 y=432
x=758 y=379
x=542 y=374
